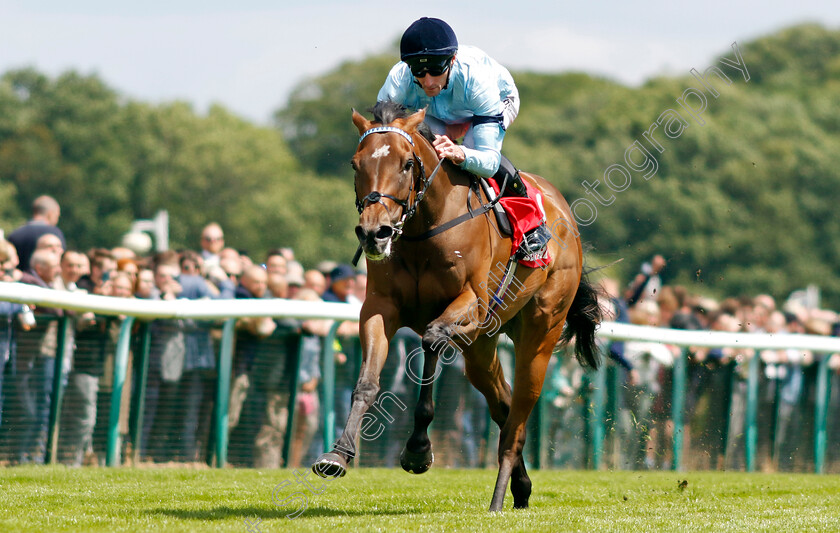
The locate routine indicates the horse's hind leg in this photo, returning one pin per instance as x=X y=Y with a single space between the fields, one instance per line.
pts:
x=533 y=353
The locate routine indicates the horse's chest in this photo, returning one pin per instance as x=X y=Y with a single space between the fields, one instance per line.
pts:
x=428 y=289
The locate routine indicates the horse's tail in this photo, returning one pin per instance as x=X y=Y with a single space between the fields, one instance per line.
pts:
x=582 y=321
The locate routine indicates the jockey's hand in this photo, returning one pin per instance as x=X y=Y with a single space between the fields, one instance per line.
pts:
x=448 y=149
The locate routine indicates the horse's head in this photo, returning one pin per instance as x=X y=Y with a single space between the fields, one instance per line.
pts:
x=388 y=174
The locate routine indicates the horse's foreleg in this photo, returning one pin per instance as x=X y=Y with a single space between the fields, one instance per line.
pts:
x=374 y=334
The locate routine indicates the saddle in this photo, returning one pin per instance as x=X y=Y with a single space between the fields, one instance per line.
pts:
x=528 y=229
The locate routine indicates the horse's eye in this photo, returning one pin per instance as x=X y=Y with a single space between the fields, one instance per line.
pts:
x=408 y=165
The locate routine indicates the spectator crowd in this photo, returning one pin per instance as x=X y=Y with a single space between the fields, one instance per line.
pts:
x=276 y=360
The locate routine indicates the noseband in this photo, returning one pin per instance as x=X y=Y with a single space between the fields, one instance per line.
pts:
x=376 y=196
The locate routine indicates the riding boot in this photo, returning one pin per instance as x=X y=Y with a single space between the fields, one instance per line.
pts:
x=534 y=243
x=536 y=239
x=514 y=181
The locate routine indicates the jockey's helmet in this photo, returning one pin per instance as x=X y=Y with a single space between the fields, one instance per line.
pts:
x=430 y=39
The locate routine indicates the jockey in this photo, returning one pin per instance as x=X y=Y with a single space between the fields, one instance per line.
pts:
x=467 y=94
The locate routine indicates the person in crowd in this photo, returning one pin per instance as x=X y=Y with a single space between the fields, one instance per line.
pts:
x=51 y=243
x=73 y=266
x=256 y=437
x=278 y=285
x=9 y=262
x=95 y=340
x=342 y=285
x=144 y=286
x=645 y=385
x=647 y=282
x=342 y=280
x=212 y=242
x=789 y=423
x=308 y=407
x=35 y=367
x=295 y=283
x=276 y=262
x=315 y=280
x=10 y=314
x=45 y=215
x=102 y=265
x=129 y=266
x=191 y=263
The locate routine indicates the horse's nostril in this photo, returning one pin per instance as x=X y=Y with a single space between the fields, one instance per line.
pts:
x=384 y=232
x=360 y=233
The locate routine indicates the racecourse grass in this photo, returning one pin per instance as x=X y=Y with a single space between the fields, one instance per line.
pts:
x=46 y=499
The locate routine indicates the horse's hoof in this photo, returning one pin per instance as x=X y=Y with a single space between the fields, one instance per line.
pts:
x=416 y=463
x=330 y=465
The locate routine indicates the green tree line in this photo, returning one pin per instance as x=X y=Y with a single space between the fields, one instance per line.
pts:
x=740 y=205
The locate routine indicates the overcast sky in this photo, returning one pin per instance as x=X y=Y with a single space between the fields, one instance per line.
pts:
x=249 y=57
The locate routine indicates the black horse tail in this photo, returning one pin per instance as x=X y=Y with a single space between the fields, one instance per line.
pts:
x=583 y=319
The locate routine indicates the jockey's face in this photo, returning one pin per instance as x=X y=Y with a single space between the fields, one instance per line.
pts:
x=433 y=85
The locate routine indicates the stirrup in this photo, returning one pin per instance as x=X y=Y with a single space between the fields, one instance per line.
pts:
x=534 y=242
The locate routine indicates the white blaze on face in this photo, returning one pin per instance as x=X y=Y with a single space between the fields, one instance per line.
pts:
x=382 y=151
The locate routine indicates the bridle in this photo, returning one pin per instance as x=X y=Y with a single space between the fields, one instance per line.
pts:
x=408 y=211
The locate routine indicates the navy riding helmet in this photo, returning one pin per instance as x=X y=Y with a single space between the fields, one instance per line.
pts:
x=428 y=45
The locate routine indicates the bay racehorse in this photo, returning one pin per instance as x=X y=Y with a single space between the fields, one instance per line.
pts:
x=436 y=264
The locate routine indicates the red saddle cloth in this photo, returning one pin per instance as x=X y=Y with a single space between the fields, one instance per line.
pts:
x=525 y=214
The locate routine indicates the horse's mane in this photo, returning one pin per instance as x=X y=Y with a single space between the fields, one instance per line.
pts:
x=387 y=111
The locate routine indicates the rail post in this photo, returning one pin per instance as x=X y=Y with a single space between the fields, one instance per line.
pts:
x=821 y=413
x=678 y=406
x=112 y=456
x=57 y=391
x=223 y=392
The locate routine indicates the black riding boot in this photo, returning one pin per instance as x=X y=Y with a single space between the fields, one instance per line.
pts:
x=537 y=239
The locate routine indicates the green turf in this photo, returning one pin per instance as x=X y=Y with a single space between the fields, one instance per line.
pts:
x=46 y=499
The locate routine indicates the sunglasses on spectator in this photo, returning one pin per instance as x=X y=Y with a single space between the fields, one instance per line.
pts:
x=213 y=239
x=434 y=67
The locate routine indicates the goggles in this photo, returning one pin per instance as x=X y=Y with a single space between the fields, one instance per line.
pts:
x=434 y=66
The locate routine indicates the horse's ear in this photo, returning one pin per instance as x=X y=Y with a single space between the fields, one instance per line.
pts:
x=415 y=120
x=361 y=122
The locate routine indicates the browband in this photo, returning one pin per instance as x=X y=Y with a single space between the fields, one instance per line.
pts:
x=386 y=129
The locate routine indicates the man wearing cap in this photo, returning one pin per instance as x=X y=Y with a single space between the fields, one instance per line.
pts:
x=467 y=94
x=342 y=284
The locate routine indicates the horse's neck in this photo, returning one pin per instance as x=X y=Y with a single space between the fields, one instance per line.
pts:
x=446 y=197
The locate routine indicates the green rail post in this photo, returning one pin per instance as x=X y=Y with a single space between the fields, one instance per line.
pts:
x=597 y=415
x=328 y=386
x=57 y=391
x=293 y=388
x=112 y=456
x=821 y=413
x=223 y=391
x=678 y=406
x=751 y=441
x=138 y=397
